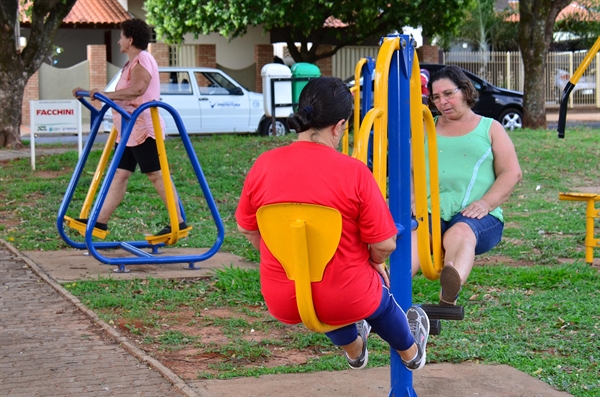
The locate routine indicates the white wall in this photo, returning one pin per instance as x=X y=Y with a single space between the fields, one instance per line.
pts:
x=235 y=54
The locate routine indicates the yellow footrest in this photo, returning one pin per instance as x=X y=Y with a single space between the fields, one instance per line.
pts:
x=154 y=240
x=579 y=196
x=81 y=227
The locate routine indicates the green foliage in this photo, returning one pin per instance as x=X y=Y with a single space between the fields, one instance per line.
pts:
x=484 y=28
x=583 y=25
x=302 y=22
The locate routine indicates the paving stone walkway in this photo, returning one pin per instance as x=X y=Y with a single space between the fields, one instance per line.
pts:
x=48 y=347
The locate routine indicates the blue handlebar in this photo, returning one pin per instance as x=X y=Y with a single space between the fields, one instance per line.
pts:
x=101 y=98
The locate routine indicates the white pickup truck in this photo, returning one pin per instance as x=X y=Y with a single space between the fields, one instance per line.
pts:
x=208 y=101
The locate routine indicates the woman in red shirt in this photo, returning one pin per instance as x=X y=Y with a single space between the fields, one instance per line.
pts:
x=354 y=289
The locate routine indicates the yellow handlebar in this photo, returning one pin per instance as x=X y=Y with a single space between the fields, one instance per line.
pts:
x=361 y=140
x=89 y=198
x=585 y=63
x=419 y=114
x=166 y=176
x=380 y=141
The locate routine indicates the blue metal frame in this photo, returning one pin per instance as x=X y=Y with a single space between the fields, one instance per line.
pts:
x=399 y=155
x=367 y=100
x=133 y=247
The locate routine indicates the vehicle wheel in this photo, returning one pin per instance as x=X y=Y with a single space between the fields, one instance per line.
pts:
x=511 y=119
x=280 y=128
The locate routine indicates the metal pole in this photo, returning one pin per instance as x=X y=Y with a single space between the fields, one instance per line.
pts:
x=399 y=196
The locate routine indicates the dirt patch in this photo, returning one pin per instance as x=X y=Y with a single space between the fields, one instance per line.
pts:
x=501 y=260
x=8 y=220
x=52 y=174
x=194 y=344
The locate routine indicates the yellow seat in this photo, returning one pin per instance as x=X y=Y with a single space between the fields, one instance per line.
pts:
x=303 y=238
x=591 y=214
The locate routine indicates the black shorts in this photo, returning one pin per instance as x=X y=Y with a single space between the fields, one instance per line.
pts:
x=146 y=155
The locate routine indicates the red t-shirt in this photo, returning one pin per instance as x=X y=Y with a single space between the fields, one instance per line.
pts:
x=306 y=172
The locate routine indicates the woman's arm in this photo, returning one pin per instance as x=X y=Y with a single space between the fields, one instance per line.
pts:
x=507 y=170
x=379 y=254
x=252 y=235
x=382 y=250
x=140 y=80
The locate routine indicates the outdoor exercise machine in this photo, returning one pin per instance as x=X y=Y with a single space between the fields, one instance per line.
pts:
x=363 y=150
x=139 y=256
x=304 y=237
x=590 y=199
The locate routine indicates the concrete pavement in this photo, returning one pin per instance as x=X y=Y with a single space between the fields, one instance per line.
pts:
x=52 y=345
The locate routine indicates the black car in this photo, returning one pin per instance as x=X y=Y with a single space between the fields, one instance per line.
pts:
x=506 y=106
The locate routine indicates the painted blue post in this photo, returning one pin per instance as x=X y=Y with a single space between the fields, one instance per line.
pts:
x=368 y=70
x=399 y=196
x=367 y=87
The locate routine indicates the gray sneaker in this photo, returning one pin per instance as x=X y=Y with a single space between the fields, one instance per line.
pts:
x=363 y=331
x=419 y=328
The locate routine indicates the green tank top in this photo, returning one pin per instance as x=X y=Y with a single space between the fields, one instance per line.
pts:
x=466 y=170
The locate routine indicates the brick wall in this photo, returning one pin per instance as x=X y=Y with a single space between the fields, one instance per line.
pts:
x=325 y=64
x=263 y=54
x=160 y=52
x=96 y=55
x=428 y=54
x=31 y=93
x=206 y=55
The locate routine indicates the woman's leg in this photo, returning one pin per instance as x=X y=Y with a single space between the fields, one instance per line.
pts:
x=465 y=238
x=459 y=245
x=390 y=323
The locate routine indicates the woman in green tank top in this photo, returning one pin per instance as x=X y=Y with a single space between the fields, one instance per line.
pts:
x=478 y=170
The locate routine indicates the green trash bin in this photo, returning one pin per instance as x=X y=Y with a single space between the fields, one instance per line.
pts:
x=302 y=70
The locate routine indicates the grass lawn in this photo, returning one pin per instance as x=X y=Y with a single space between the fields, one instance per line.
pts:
x=533 y=306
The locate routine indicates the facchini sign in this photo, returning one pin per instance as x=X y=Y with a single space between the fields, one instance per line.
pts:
x=55 y=117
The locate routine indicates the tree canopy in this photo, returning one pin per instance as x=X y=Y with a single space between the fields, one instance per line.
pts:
x=304 y=22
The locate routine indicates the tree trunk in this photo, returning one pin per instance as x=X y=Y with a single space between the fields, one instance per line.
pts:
x=16 y=68
x=12 y=86
x=536 y=24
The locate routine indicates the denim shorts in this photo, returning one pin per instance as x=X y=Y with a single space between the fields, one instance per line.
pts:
x=488 y=230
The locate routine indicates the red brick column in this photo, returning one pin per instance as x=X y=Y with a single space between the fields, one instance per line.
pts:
x=31 y=93
x=96 y=55
x=160 y=52
x=428 y=54
x=325 y=64
x=206 y=55
x=263 y=54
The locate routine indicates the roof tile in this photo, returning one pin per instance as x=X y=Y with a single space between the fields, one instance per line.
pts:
x=97 y=12
x=92 y=12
